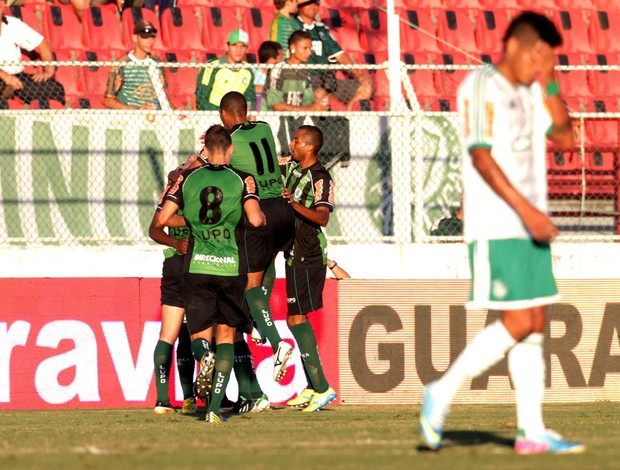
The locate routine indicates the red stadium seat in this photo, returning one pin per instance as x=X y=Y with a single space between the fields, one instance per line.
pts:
x=490 y=28
x=130 y=17
x=94 y=78
x=418 y=34
x=605 y=31
x=181 y=81
x=257 y=24
x=62 y=28
x=505 y=4
x=87 y=102
x=69 y=76
x=423 y=80
x=11 y=104
x=573 y=83
x=606 y=4
x=541 y=6
x=27 y=14
x=456 y=28
x=604 y=83
x=574 y=4
x=181 y=30
x=101 y=31
x=373 y=30
x=468 y=5
x=46 y=104
x=217 y=23
x=343 y=27
x=602 y=133
x=448 y=81
x=573 y=27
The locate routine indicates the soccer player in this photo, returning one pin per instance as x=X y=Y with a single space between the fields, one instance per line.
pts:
x=214 y=198
x=173 y=309
x=505 y=116
x=255 y=153
x=310 y=192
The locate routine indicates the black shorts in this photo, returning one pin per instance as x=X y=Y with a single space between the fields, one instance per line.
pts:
x=262 y=244
x=172 y=282
x=304 y=289
x=211 y=300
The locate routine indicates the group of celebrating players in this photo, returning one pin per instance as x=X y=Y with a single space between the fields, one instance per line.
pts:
x=225 y=214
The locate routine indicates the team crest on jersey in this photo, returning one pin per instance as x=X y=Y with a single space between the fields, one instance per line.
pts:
x=318 y=190
x=250 y=184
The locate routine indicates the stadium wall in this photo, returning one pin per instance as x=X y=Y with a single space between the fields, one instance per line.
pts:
x=77 y=336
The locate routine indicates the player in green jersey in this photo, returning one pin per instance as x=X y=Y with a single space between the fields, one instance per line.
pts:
x=214 y=198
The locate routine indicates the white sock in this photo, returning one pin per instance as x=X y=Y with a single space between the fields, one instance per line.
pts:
x=487 y=348
x=527 y=371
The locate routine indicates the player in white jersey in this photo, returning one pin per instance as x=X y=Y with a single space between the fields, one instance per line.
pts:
x=505 y=118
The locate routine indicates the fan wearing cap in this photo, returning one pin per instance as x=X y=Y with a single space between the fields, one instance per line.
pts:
x=133 y=87
x=16 y=35
x=325 y=50
x=214 y=82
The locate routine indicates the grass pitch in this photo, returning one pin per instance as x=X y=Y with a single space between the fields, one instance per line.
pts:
x=339 y=437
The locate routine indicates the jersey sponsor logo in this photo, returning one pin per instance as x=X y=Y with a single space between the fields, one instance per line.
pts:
x=318 y=191
x=250 y=184
x=490 y=115
x=163 y=193
x=330 y=197
x=175 y=188
x=215 y=259
x=291 y=300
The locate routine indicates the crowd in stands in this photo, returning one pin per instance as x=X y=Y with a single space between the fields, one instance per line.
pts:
x=247 y=31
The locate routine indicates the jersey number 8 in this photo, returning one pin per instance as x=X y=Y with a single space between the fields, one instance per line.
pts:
x=210 y=200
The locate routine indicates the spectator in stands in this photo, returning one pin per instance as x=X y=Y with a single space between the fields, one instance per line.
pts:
x=14 y=36
x=131 y=87
x=290 y=89
x=213 y=83
x=451 y=226
x=269 y=52
x=284 y=23
x=79 y=6
x=325 y=50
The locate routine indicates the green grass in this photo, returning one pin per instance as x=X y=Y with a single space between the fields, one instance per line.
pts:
x=343 y=437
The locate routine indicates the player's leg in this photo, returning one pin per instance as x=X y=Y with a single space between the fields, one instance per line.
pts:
x=224 y=360
x=257 y=298
x=250 y=392
x=186 y=366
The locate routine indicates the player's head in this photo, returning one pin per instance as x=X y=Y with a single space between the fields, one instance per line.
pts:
x=300 y=46
x=530 y=38
x=217 y=141
x=233 y=109
x=270 y=52
x=307 y=142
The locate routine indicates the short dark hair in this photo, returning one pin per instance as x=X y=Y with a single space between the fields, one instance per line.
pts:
x=279 y=4
x=217 y=139
x=268 y=50
x=298 y=36
x=234 y=103
x=531 y=26
x=313 y=136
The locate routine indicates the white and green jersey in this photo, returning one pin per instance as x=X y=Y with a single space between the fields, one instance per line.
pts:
x=512 y=122
x=212 y=198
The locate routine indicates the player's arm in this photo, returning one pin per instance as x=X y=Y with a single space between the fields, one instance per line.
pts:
x=319 y=215
x=160 y=220
x=561 y=131
x=255 y=215
x=539 y=225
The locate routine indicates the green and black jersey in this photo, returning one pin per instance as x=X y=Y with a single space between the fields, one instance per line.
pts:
x=212 y=199
x=312 y=187
x=175 y=232
x=255 y=153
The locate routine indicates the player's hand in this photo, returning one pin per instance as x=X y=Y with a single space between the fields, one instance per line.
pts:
x=543 y=56
x=182 y=245
x=319 y=106
x=287 y=195
x=540 y=226
x=14 y=82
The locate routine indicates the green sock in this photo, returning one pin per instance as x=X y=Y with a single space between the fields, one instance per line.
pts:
x=258 y=301
x=304 y=335
x=199 y=347
x=243 y=368
x=223 y=367
x=269 y=278
x=162 y=358
x=185 y=363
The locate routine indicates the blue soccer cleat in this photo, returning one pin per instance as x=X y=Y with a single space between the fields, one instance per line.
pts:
x=430 y=415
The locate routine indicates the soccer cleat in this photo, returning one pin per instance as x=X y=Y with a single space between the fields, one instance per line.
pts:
x=302 y=399
x=204 y=379
x=319 y=400
x=548 y=443
x=431 y=433
x=162 y=408
x=243 y=405
x=257 y=337
x=261 y=404
x=215 y=418
x=189 y=406
x=280 y=358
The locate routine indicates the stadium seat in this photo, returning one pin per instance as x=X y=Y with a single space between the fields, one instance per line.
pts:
x=27 y=14
x=418 y=34
x=181 y=81
x=574 y=4
x=101 y=31
x=129 y=18
x=87 y=102
x=11 y=104
x=94 y=78
x=448 y=81
x=455 y=27
x=217 y=22
x=490 y=28
x=343 y=27
x=540 y=6
x=373 y=30
x=69 y=76
x=605 y=4
x=605 y=31
x=257 y=24
x=62 y=29
x=181 y=30
x=46 y=104
x=602 y=133
x=573 y=27
x=604 y=83
x=573 y=83
x=422 y=80
x=504 y=4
